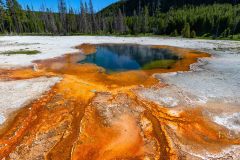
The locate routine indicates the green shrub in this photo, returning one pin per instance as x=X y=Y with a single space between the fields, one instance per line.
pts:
x=27 y=52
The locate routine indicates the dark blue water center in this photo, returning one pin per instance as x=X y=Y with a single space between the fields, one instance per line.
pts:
x=124 y=57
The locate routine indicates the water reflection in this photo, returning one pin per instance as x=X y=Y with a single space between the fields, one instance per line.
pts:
x=123 y=57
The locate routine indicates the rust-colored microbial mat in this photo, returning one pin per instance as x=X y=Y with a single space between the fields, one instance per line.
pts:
x=91 y=115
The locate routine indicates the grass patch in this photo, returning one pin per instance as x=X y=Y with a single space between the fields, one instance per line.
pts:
x=163 y=64
x=26 y=52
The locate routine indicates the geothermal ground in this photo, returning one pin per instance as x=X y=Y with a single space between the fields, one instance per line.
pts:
x=51 y=107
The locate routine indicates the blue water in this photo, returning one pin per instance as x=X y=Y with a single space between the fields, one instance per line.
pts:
x=124 y=57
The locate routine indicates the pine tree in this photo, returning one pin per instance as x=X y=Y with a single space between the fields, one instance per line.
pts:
x=88 y=23
x=145 y=20
x=186 y=31
x=92 y=18
x=14 y=11
x=62 y=8
x=2 y=17
x=104 y=25
x=135 y=21
x=71 y=21
x=83 y=19
x=32 y=25
x=120 y=23
x=51 y=22
x=44 y=19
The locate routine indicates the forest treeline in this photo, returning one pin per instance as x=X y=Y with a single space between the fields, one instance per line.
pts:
x=128 y=6
x=213 y=20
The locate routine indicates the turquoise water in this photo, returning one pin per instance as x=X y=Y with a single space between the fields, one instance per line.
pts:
x=124 y=57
